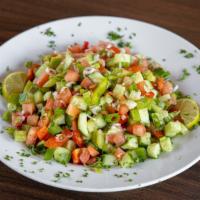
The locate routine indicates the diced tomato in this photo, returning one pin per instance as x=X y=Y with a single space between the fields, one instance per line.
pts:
x=93 y=86
x=110 y=109
x=102 y=69
x=119 y=153
x=77 y=138
x=84 y=62
x=72 y=76
x=86 y=82
x=167 y=88
x=28 y=108
x=160 y=83
x=31 y=136
x=84 y=155
x=58 y=103
x=115 y=49
x=74 y=125
x=17 y=120
x=91 y=161
x=64 y=95
x=67 y=132
x=116 y=138
x=144 y=65
x=127 y=50
x=127 y=81
x=73 y=111
x=75 y=156
x=44 y=121
x=123 y=109
x=44 y=77
x=42 y=133
x=140 y=87
x=123 y=119
x=149 y=94
x=85 y=45
x=32 y=120
x=30 y=74
x=57 y=141
x=75 y=49
x=93 y=152
x=134 y=68
x=137 y=129
x=158 y=134
x=49 y=104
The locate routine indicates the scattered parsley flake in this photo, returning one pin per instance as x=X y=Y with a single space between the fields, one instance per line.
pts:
x=184 y=75
x=7 y=68
x=59 y=175
x=114 y=36
x=197 y=68
x=79 y=24
x=34 y=162
x=123 y=44
x=119 y=29
x=79 y=181
x=1 y=89
x=23 y=153
x=182 y=51
x=118 y=175
x=85 y=174
x=7 y=157
x=126 y=174
x=28 y=64
x=49 y=32
x=163 y=59
x=189 y=55
x=130 y=37
x=129 y=180
x=52 y=44
x=72 y=35
x=195 y=94
x=135 y=173
x=134 y=34
x=41 y=170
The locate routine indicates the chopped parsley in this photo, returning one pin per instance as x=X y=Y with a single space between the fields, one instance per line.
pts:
x=28 y=64
x=52 y=44
x=123 y=44
x=197 y=68
x=186 y=53
x=79 y=181
x=7 y=157
x=119 y=29
x=114 y=36
x=134 y=34
x=59 y=175
x=49 y=32
x=129 y=180
x=72 y=35
x=23 y=153
x=41 y=170
x=79 y=24
x=7 y=68
x=85 y=174
x=163 y=59
x=118 y=175
x=184 y=75
x=34 y=162
x=1 y=89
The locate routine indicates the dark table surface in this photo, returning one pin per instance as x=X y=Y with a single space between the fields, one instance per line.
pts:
x=180 y=16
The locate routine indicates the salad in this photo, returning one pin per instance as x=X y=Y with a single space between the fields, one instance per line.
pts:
x=96 y=105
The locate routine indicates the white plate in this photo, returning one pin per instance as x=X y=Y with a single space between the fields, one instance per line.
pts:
x=149 y=40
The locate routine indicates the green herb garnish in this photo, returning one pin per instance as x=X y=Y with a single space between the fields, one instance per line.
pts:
x=114 y=36
x=184 y=75
x=7 y=157
x=189 y=55
x=28 y=64
x=186 y=53
x=49 y=32
x=52 y=44
x=123 y=44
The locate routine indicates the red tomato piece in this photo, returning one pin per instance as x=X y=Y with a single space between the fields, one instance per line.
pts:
x=77 y=138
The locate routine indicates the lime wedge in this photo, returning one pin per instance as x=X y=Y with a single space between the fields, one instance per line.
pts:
x=189 y=111
x=13 y=85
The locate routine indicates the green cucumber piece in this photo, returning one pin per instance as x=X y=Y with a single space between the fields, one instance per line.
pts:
x=20 y=135
x=166 y=144
x=62 y=155
x=145 y=140
x=126 y=161
x=131 y=142
x=153 y=150
x=82 y=125
x=109 y=160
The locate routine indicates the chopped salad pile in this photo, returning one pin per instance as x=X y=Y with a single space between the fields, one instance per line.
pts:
x=96 y=105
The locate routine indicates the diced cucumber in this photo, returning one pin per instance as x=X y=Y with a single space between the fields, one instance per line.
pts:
x=20 y=135
x=131 y=104
x=11 y=107
x=145 y=140
x=137 y=77
x=79 y=102
x=141 y=154
x=166 y=144
x=119 y=91
x=26 y=127
x=144 y=116
x=184 y=129
x=153 y=150
x=71 y=145
x=51 y=82
x=82 y=125
x=99 y=121
x=98 y=138
x=115 y=128
x=126 y=161
x=145 y=103
x=91 y=126
x=62 y=155
x=87 y=97
x=6 y=116
x=28 y=87
x=135 y=95
x=55 y=61
x=147 y=86
x=109 y=160
x=108 y=148
x=68 y=60
x=172 y=129
x=59 y=118
x=49 y=154
x=47 y=95
x=165 y=97
x=10 y=131
x=122 y=59
x=60 y=85
x=38 y=97
x=148 y=75
x=96 y=77
x=26 y=98
x=157 y=119
x=135 y=116
x=107 y=99
x=131 y=142
x=41 y=69
x=54 y=129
